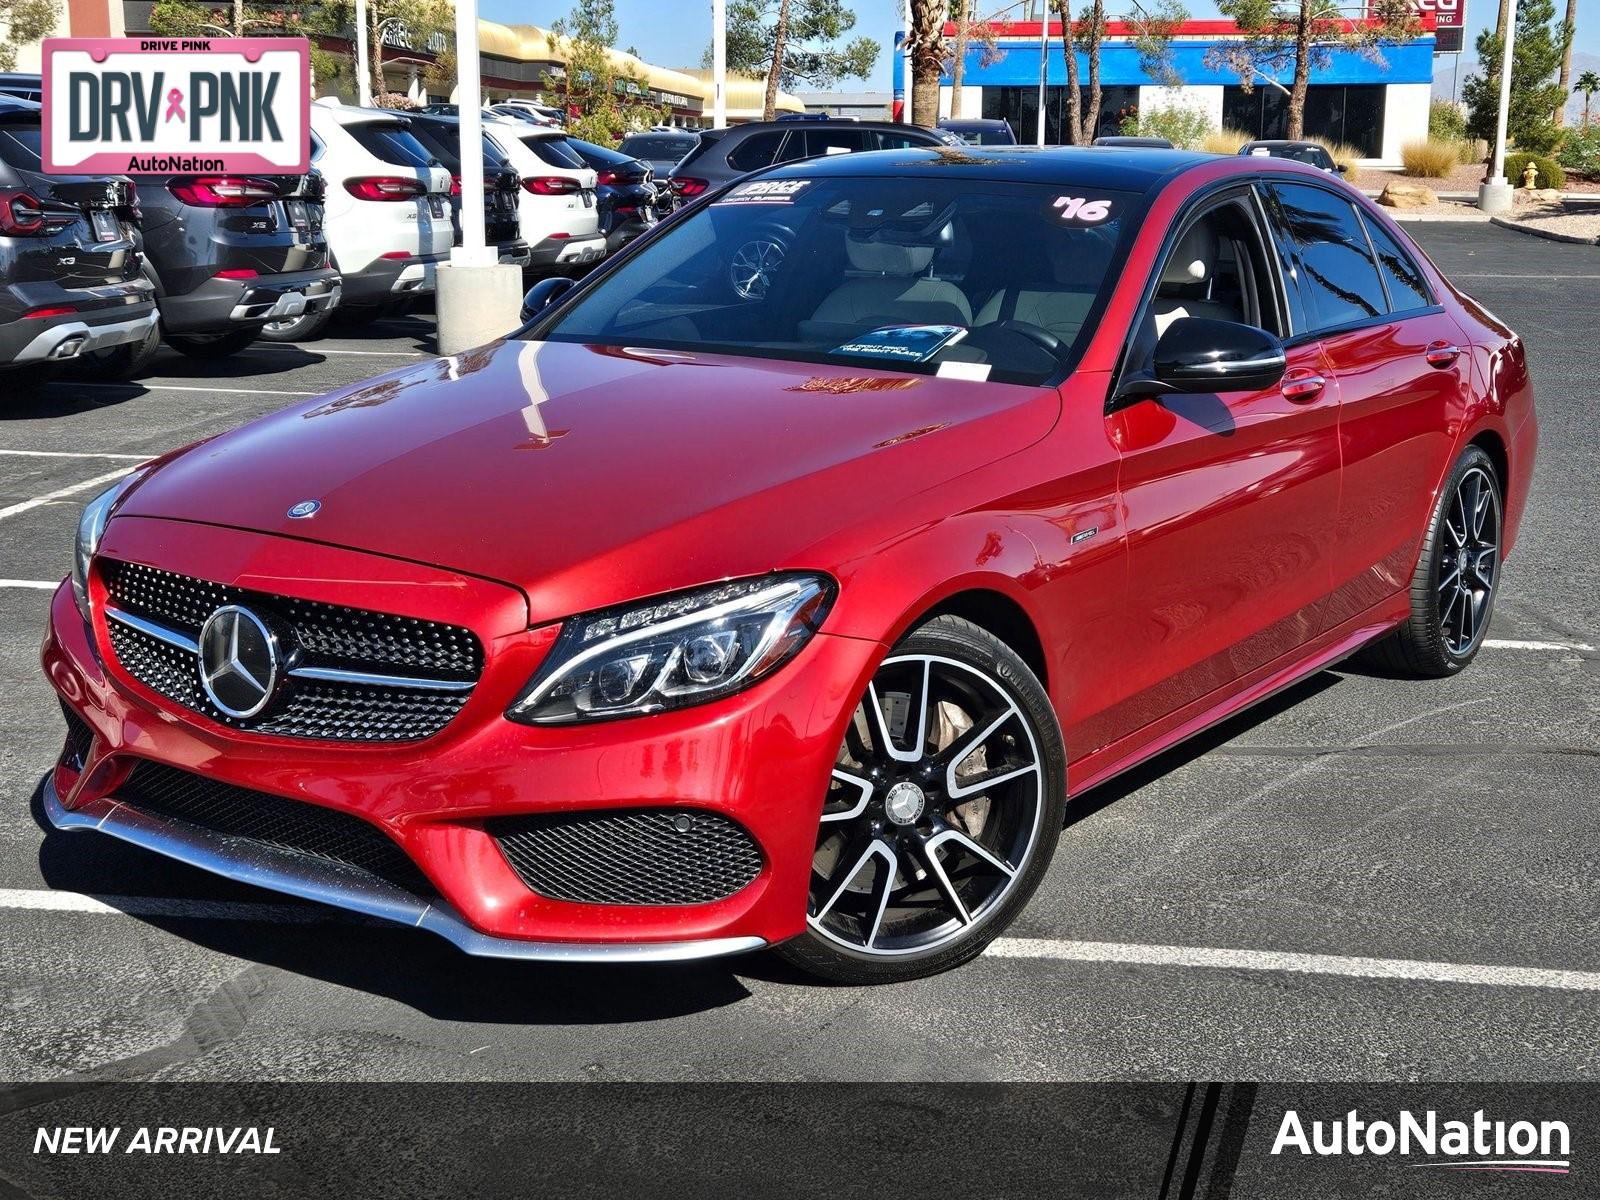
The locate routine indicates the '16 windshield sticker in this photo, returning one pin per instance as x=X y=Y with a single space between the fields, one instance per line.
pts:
x=766 y=191
x=1080 y=208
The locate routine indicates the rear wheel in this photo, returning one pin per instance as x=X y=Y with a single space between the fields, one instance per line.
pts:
x=212 y=345
x=943 y=812
x=1453 y=589
x=118 y=362
x=307 y=327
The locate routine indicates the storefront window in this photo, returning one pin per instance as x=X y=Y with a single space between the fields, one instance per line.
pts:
x=1020 y=106
x=1334 y=112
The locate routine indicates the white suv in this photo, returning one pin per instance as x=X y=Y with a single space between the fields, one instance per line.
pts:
x=387 y=213
x=559 y=213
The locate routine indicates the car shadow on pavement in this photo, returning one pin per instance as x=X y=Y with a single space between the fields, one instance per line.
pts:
x=412 y=967
x=1092 y=801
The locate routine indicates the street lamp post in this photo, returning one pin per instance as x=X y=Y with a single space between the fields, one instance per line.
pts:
x=1495 y=195
x=719 y=64
x=1044 y=66
x=363 y=74
x=478 y=298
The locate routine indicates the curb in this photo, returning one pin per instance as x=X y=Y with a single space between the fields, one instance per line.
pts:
x=1548 y=234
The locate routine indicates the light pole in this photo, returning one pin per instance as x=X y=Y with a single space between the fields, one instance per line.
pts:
x=719 y=64
x=478 y=298
x=1495 y=195
x=363 y=75
x=1044 y=65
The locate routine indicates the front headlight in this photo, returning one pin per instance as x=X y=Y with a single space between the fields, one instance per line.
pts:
x=91 y=527
x=675 y=650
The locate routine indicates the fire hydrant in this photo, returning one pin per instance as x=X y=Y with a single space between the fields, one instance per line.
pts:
x=1529 y=174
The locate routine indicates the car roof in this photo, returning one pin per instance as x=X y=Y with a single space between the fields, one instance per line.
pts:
x=1111 y=167
x=755 y=126
x=1283 y=144
x=963 y=122
x=16 y=105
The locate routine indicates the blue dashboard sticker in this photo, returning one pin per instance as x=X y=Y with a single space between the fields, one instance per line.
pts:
x=903 y=343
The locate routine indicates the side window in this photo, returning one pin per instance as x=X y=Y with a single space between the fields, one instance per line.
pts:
x=898 y=141
x=756 y=152
x=1337 y=271
x=834 y=141
x=1408 y=288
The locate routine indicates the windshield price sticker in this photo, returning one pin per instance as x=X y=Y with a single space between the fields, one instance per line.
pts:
x=156 y=105
x=766 y=191
x=1080 y=208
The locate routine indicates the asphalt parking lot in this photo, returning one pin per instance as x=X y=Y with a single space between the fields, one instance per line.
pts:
x=1365 y=879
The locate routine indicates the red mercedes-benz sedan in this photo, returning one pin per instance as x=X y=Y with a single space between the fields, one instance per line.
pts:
x=779 y=583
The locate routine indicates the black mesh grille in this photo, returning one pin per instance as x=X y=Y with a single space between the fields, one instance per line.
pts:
x=326 y=634
x=79 y=736
x=647 y=856
x=379 y=641
x=271 y=820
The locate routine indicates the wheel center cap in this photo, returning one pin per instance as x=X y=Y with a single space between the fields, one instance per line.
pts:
x=904 y=803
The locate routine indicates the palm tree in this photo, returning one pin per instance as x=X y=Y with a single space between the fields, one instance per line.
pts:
x=1588 y=83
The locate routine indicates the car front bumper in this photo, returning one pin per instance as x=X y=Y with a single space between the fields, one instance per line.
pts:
x=761 y=758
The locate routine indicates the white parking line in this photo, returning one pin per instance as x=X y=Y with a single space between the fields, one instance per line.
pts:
x=173 y=387
x=1048 y=949
x=1516 y=644
x=21 y=506
x=43 y=585
x=76 y=454
x=1207 y=958
x=332 y=350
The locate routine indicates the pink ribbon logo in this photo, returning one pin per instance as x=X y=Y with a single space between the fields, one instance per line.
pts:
x=174 y=106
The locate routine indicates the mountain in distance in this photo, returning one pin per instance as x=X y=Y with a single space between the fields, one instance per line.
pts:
x=1444 y=76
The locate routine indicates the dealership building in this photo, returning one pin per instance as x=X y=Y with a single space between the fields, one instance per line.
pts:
x=1374 y=106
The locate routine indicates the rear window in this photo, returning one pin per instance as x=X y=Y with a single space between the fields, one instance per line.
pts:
x=392 y=144
x=554 y=152
x=657 y=148
x=20 y=147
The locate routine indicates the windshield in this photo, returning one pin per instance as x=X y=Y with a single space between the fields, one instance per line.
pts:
x=983 y=136
x=979 y=279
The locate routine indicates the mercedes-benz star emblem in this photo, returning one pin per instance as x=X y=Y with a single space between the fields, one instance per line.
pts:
x=306 y=508
x=238 y=661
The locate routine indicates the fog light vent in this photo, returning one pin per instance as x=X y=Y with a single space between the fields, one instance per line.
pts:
x=652 y=856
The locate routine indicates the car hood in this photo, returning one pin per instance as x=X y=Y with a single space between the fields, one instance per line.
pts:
x=586 y=475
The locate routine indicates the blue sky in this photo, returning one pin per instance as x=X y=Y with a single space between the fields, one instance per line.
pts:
x=674 y=33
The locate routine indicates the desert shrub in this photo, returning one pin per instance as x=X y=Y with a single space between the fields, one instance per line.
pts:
x=1430 y=159
x=1184 y=127
x=1550 y=174
x=1446 y=122
x=1580 y=153
x=1343 y=155
x=1224 y=141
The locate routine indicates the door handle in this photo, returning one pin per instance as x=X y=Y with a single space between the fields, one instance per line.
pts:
x=1442 y=354
x=1301 y=386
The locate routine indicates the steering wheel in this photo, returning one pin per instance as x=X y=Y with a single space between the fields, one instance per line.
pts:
x=1038 y=335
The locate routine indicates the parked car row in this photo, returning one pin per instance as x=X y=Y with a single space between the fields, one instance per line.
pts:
x=99 y=269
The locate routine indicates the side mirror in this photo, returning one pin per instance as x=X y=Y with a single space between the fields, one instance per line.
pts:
x=1342 y=168
x=1199 y=355
x=543 y=294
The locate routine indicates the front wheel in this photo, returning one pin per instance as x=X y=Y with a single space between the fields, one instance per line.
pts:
x=943 y=812
x=1457 y=575
x=212 y=345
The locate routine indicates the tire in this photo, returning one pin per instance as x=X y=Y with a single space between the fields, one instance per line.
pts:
x=1450 y=609
x=970 y=840
x=212 y=345
x=307 y=327
x=118 y=362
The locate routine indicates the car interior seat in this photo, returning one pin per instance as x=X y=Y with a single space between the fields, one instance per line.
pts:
x=889 y=281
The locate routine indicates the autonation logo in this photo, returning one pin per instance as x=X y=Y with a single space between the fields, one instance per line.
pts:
x=1476 y=1145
